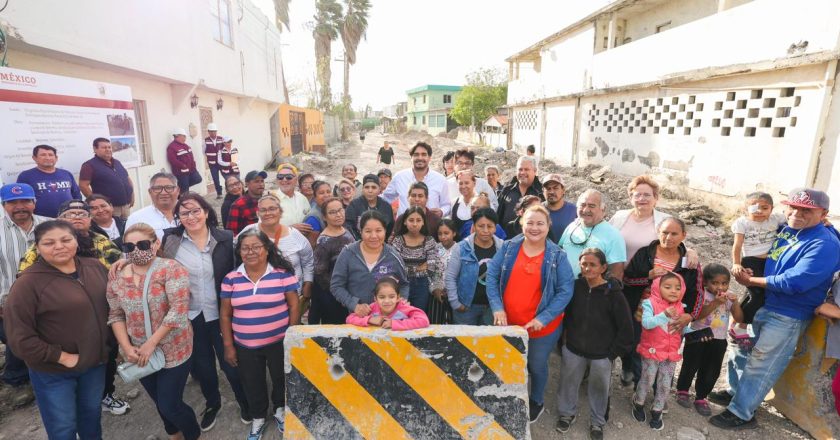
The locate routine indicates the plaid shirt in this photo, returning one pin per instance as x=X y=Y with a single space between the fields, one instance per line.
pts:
x=243 y=212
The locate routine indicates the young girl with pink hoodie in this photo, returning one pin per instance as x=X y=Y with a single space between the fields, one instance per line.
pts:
x=389 y=310
x=659 y=346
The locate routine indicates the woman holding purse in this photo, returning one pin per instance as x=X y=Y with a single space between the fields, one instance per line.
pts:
x=153 y=293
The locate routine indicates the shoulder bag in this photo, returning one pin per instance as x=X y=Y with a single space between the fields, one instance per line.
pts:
x=131 y=372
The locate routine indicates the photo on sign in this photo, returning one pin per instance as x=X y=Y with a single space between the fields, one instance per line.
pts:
x=125 y=149
x=121 y=125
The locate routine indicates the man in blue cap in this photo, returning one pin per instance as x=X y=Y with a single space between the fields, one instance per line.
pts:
x=16 y=235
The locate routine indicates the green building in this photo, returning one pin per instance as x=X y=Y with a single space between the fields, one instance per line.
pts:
x=429 y=106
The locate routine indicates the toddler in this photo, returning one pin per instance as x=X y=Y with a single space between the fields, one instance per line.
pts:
x=389 y=310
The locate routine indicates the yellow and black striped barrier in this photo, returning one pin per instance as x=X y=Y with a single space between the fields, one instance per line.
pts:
x=443 y=382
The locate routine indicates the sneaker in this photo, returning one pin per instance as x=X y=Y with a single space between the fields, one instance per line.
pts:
x=684 y=399
x=208 y=417
x=596 y=432
x=280 y=419
x=656 y=420
x=720 y=397
x=727 y=420
x=626 y=378
x=244 y=416
x=257 y=429
x=113 y=405
x=535 y=410
x=564 y=423
x=702 y=407
x=639 y=412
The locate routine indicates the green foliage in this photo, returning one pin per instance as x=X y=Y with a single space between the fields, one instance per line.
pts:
x=486 y=90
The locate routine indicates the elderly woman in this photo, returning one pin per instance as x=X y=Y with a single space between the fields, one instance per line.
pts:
x=346 y=191
x=289 y=241
x=529 y=283
x=660 y=256
x=55 y=319
x=361 y=264
x=493 y=176
x=325 y=309
x=168 y=299
x=234 y=189
x=461 y=212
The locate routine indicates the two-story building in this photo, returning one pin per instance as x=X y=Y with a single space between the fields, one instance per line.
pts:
x=429 y=106
x=188 y=63
x=731 y=95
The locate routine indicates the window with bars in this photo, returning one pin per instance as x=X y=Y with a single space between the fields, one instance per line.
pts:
x=447 y=99
x=220 y=10
x=142 y=119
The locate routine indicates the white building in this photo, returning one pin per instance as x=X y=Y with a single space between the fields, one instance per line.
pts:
x=222 y=51
x=731 y=95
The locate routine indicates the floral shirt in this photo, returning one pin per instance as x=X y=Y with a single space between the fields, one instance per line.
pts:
x=169 y=304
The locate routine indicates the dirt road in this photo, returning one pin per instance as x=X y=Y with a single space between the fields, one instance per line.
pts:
x=712 y=244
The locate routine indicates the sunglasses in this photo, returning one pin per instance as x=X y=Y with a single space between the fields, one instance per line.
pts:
x=143 y=245
x=285 y=177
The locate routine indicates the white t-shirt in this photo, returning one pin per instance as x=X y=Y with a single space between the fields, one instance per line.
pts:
x=113 y=231
x=758 y=236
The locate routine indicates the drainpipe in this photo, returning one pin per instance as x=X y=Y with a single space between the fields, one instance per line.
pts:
x=819 y=139
x=576 y=134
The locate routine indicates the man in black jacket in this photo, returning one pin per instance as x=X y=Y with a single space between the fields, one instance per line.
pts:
x=525 y=183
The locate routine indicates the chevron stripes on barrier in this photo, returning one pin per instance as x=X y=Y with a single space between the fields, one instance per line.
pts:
x=444 y=382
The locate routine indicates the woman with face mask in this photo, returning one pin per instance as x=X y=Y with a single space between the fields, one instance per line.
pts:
x=168 y=299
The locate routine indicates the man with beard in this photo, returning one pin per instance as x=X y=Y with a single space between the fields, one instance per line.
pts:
x=563 y=213
x=16 y=236
x=163 y=189
x=525 y=183
x=438 y=197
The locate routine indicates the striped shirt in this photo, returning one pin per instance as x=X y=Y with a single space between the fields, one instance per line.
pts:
x=13 y=244
x=260 y=312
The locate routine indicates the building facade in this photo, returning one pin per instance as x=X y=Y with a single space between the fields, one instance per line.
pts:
x=429 y=106
x=221 y=55
x=728 y=96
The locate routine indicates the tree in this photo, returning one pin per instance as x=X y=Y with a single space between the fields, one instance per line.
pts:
x=328 y=15
x=353 y=29
x=281 y=18
x=486 y=90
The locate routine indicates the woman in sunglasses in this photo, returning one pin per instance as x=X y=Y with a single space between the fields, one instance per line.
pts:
x=529 y=283
x=168 y=300
x=346 y=191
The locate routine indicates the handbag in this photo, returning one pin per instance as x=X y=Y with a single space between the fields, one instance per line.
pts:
x=704 y=334
x=195 y=177
x=131 y=372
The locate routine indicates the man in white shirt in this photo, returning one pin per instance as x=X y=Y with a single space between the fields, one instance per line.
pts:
x=294 y=204
x=464 y=160
x=163 y=189
x=438 y=201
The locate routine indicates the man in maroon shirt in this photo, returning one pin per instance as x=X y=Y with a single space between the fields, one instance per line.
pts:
x=243 y=211
x=212 y=144
x=181 y=159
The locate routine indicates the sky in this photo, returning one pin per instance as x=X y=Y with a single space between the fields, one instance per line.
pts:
x=413 y=43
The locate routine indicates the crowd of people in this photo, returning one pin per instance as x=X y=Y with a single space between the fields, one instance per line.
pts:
x=176 y=289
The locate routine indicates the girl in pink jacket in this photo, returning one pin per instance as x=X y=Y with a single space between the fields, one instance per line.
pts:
x=389 y=310
x=659 y=346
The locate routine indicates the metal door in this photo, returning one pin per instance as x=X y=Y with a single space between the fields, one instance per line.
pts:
x=297 y=125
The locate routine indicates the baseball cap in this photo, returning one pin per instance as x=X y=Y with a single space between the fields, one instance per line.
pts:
x=73 y=204
x=807 y=198
x=16 y=191
x=227 y=139
x=553 y=177
x=385 y=171
x=287 y=166
x=254 y=174
x=370 y=178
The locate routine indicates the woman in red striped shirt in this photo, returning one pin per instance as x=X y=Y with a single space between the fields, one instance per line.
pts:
x=259 y=303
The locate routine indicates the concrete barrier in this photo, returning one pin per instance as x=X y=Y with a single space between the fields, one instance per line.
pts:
x=443 y=382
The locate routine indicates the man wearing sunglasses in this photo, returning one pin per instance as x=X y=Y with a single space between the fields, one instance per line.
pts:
x=590 y=230
x=164 y=192
x=295 y=205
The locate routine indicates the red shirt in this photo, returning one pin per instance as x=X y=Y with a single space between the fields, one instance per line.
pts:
x=523 y=293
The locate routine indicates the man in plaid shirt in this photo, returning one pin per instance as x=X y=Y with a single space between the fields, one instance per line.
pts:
x=243 y=211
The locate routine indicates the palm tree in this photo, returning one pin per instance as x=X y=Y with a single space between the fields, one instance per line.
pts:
x=281 y=15
x=353 y=29
x=327 y=19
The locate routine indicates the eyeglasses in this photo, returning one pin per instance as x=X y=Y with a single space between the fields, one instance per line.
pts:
x=642 y=196
x=161 y=188
x=269 y=209
x=572 y=234
x=335 y=211
x=252 y=249
x=190 y=213
x=233 y=185
x=285 y=177
x=143 y=245
x=74 y=215
x=345 y=189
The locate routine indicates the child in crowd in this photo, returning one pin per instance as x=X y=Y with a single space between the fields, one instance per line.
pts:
x=418 y=249
x=598 y=328
x=659 y=346
x=389 y=311
x=830 y=310
x=440 y=312
x=706 y=344
x=754 y=235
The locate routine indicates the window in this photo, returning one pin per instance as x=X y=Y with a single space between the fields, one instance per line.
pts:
x=142 y=119
x=424 y=120
x=424 y=99
x=414 y=100
x=663 y=26
x=414 y=118
x=441 y=121
x=220 y=10
x=447 y=99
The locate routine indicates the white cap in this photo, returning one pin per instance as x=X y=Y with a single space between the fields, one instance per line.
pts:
x=212 y=127
x=179 y=132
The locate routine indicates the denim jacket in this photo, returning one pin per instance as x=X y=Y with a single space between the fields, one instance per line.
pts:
x=462 y=272
x=556 y=273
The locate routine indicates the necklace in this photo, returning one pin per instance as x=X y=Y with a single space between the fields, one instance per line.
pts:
x=578 y=226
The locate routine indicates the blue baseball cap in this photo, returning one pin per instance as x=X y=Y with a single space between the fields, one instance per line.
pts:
x=16 y=191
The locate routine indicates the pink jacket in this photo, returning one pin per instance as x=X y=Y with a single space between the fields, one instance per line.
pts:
x=656 y=342
x=404 y=317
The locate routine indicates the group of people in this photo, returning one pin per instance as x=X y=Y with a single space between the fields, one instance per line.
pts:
x=176 y=289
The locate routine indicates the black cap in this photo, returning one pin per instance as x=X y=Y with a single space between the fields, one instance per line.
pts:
x=254 y=174
x=385 y=171
x=370 y=178
x=73 y=204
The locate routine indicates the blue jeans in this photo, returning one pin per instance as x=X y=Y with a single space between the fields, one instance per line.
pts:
x=214 y=173
x=776 y=339
x=418 y=292
x=735 y=365
x=538 y=351
x=70 y=402
x=15 y=373
x=476 y=314
x=166 y=388
x=207 y=347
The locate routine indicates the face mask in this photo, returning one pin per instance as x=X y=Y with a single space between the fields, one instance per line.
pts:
x=140 y=258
